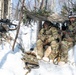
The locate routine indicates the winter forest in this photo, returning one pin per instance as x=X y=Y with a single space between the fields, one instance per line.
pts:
x=37 y=37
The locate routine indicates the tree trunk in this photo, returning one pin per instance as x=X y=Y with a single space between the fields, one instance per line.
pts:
x=46 y=4
x=40 y=25
x=42 y=5
x=17 y=11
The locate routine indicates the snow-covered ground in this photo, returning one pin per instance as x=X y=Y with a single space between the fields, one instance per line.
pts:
x=11 y=63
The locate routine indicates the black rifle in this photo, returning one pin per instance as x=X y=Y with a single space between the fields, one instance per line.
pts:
x=5 y=25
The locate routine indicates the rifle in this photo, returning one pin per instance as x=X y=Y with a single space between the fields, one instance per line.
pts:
x=6 y=25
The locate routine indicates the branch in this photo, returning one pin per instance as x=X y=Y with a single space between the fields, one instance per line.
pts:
x=21 y=11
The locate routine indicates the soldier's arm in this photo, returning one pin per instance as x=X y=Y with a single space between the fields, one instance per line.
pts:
x=40 y=33
x=47 y=40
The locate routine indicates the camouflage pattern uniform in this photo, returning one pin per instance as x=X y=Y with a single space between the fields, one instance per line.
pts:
x=39 y=47
x=72 y=29
x=54 y=32
x=42 y=36
x=74 y=32
x=54 y=49
x=75 y=38
x=48 y=46
x=64 y=51
x=44 y=39
x=66 y=44
x=30 y=61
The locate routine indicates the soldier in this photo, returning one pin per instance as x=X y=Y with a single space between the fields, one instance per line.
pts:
x=48 y=42
x=42 y=36
x=66 y=44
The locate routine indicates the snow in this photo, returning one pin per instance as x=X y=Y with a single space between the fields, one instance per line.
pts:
x=11 y=63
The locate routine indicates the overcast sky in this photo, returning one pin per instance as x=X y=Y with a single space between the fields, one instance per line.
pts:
x=14 y=2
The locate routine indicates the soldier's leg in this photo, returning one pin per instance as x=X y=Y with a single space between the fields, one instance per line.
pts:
x=51 y=57
x=39 y=46
x=47 y=53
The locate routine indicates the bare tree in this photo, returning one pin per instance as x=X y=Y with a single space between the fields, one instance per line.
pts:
x=42 y=4
x=68 y=7
x=17 y=10
x=46 y=4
